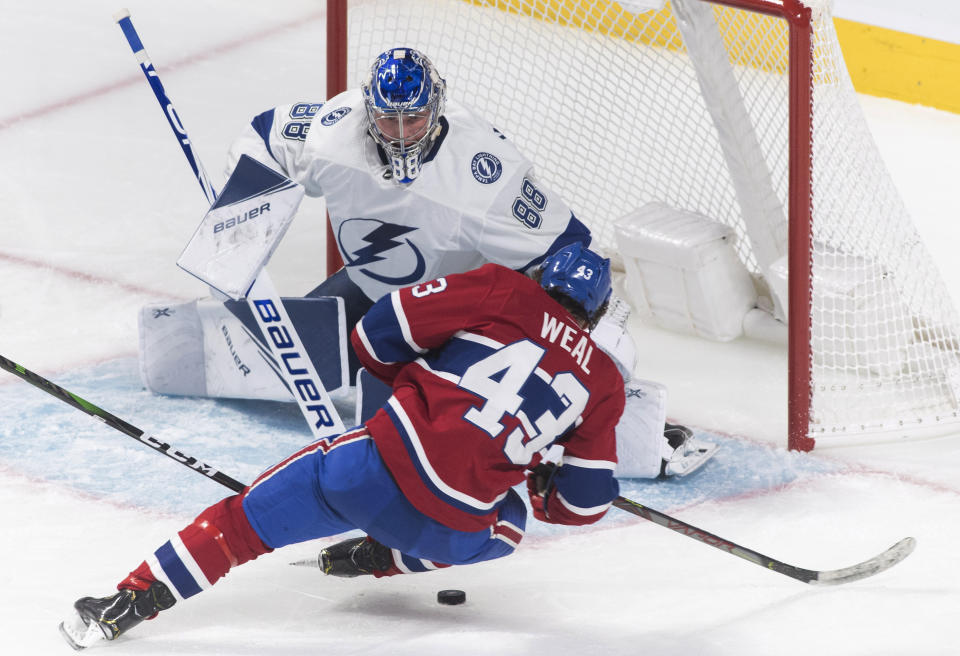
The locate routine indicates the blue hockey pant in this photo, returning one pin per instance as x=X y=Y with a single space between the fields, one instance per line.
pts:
x=339 y=484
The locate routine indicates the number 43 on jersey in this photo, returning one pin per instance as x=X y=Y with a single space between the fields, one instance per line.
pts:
x=510 y=383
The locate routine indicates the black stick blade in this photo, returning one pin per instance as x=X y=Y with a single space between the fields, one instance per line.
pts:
x=875 y=565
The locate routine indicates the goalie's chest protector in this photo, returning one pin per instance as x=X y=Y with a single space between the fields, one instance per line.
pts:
x=456 y=216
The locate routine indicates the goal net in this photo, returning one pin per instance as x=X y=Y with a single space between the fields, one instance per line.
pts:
x=737 y=110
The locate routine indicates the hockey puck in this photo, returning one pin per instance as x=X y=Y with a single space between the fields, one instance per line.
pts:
x=451 y=597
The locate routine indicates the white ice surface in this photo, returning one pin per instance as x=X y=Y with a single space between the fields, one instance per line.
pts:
x=96 y=203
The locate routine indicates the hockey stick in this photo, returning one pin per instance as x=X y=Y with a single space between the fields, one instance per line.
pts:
x=874 y=565
x=113 y=421
x=315 y=404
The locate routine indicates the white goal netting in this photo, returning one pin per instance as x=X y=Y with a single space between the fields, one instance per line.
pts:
x=689 y=106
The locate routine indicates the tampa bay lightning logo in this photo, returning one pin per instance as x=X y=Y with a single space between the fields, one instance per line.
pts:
x=334 y=116
x=375 y=248
x=486 y=168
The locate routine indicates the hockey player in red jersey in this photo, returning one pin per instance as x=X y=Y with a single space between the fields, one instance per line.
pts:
x=488 y=368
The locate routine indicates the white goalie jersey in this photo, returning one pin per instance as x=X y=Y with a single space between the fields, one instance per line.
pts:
x=477 y=199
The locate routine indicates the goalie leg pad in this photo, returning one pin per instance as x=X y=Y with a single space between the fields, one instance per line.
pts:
x=611 y=335
x=320 y=323
x=649 y=447
x=171 y=349
x=356 y=304
x=202 y=348
x=641 y=445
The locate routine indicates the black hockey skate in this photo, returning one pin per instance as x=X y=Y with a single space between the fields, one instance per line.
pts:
x=689 y=453
x=355 y=557
x=107 y=618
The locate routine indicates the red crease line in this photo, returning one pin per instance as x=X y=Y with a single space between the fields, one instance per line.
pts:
x=86 y=277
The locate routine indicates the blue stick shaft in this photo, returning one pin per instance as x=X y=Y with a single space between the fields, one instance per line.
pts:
x=123 y=19
x=136 y=45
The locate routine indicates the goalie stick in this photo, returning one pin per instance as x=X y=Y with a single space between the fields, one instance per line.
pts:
x=123 y=19
x=309 y=393
x=874 y=565
x=113 y=421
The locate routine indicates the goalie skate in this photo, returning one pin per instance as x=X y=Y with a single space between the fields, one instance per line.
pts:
x=690 y=453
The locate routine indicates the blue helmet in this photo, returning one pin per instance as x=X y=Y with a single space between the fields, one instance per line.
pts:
x=404 y=97
x=580 y=274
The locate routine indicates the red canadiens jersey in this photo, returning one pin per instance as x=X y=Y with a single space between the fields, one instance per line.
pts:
x=488 y=370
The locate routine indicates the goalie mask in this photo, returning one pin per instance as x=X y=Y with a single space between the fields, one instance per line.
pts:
x=582 y=276
x=404 y=95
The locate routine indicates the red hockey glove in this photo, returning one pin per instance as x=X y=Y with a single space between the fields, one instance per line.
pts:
x=539 y=486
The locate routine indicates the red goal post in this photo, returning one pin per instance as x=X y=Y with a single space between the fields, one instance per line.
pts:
x=619 y=107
